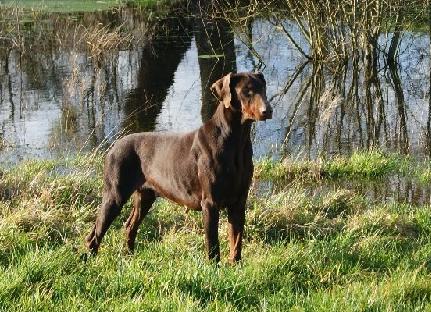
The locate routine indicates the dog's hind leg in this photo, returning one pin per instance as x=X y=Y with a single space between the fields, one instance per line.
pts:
x=120 y=181
x=142 y=201
x=109 y=210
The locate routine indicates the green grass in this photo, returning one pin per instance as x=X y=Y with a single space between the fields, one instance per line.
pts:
x=70 y=6
x=303 y=251
x=63 y=5
x=369 y=165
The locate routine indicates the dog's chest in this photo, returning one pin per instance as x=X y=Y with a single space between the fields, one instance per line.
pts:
x=231 y=179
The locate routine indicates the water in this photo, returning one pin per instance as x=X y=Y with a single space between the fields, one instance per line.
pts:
x=389 y=190
x=57 y=97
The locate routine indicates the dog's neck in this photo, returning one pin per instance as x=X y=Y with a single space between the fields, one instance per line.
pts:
x=231 y=123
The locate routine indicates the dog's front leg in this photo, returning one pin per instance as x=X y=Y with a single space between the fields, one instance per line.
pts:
x=236 y=219
x=211 y=219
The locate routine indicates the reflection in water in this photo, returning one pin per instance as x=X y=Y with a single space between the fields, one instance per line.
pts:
x=402 y=139
x=158 y=64
x=59 y=98
x=391 y=189
x=363 y=103
x=215 y=45
x=54 y=72
x=394 y=189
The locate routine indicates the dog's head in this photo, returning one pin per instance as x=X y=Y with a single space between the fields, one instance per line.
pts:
x=245 y=92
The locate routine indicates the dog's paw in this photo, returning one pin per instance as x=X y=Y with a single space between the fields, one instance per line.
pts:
x=84 y=257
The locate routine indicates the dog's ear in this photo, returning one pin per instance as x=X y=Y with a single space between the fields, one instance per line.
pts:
x=221 y=88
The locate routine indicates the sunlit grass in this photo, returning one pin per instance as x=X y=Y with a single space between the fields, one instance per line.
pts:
x=335 y=250
x=70 y=6
x=360 y=165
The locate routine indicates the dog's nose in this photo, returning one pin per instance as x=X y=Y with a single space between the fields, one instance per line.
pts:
x=266 y=111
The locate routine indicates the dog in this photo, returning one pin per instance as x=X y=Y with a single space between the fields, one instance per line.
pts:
x=207 y=169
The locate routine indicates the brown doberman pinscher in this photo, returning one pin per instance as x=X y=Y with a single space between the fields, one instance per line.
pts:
x=207 y=169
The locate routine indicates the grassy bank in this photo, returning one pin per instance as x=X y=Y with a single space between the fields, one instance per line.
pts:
x=336 y=250
x=360 y=165
x=69 y=6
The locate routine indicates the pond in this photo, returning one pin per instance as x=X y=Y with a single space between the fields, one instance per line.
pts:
x=74 y=81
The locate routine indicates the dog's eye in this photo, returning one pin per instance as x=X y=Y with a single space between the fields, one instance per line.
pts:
x=249 y=93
